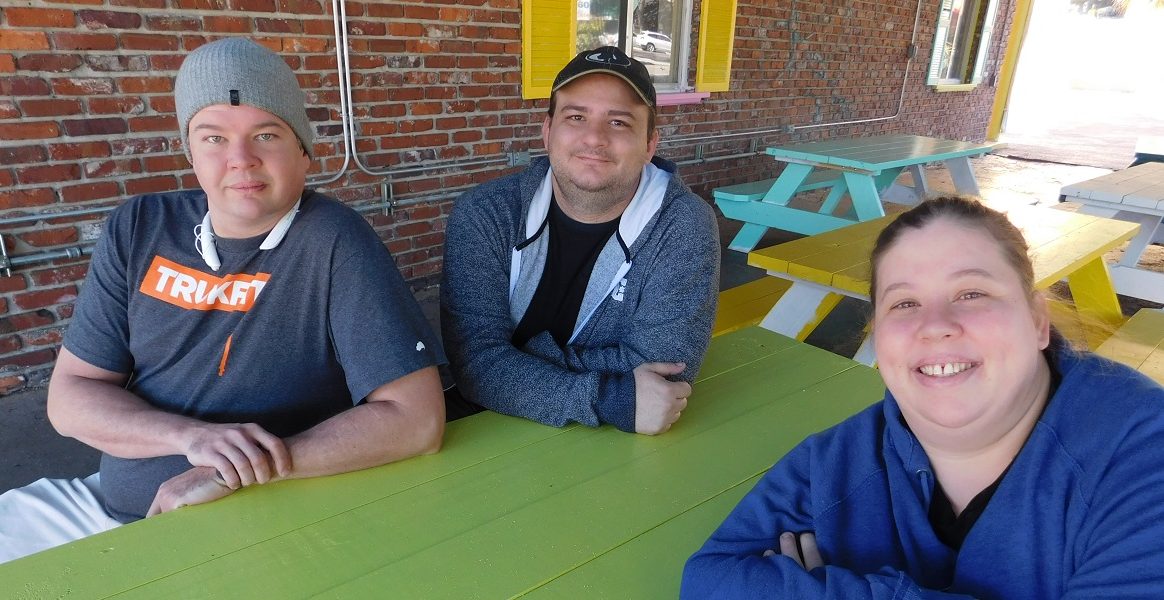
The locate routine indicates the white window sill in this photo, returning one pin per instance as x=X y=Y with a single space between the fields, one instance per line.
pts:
x=955 y=87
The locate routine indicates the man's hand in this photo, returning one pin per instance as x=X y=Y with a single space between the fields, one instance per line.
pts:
x=805 y=553
x=196 y=486
x=658 y=401
x=243 y=454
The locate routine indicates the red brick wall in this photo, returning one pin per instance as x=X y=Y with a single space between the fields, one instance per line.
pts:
x=86 y=113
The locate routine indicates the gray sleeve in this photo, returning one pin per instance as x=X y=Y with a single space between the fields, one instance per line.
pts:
x=477 y=328
x=378 y=329
x=99 y=329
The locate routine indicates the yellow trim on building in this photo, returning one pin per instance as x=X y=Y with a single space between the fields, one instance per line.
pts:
x=717 y=34
x=549 y=30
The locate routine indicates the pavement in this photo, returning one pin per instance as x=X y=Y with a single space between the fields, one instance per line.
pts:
x=33 y=449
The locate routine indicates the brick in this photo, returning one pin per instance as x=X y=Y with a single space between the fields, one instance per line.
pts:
x=278 y=25
x=148 y=41
x=8 y=110
x=102 y=126
x=29 y=131
x=50 y=108
x=65 y=311
x=114 y=105
x=146 y=85
x=7 y=179
x=117 y=64
x=23 y=40
x=90 y=191
x=421 y=13
x=47 y=174
x=79 y=150
x=11 y=383
x=56 y=63
x=58 y=276
x=15 y=283
x=300 y=44
x=22 y=154
x=27 y=320
x=123 y=147
x=219 y=24
x=84 y=41
x=39 y=17
x=43 y=238
x=23 y=86
x=111 y=168
x=82 y=86
x=253 y=6
x=45 y=298
x=149 y=185
x=7 y=63
x=162 y=164
x=44 y=337
x=107 y=19
x=171 y=23
x=139 y=4
x=10 y=343
x=163 y=123
x=163 y=104
x=31 y=359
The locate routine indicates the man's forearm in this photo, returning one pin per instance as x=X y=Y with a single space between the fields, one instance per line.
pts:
x=106 y=416
x=409 y=422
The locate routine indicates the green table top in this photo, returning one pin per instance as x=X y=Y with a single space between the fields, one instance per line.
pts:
x=508 y=508
x=879 y=152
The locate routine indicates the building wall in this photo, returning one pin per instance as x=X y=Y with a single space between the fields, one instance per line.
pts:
x=86 y=114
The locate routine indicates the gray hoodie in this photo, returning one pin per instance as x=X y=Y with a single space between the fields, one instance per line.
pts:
x=651 y=297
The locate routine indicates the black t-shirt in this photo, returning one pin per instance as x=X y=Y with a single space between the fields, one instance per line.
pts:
x=573 y=249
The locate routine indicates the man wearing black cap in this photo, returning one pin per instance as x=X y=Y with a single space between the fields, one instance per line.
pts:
x=583 y=289
x=249 y=331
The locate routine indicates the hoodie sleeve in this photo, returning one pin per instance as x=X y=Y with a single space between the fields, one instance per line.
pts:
x=731 y=564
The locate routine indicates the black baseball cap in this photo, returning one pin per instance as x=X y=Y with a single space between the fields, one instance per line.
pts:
x=609 y=59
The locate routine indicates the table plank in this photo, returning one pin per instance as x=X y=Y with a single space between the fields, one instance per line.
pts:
x=877 y=153
x=500 y=524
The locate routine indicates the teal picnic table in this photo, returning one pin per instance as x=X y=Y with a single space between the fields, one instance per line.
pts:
x=862 y=168
x=509 y=508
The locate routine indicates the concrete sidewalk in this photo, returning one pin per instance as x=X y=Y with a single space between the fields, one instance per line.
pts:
x=32 y=449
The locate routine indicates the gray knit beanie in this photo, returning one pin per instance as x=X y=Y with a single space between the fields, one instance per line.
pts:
x=238 y=71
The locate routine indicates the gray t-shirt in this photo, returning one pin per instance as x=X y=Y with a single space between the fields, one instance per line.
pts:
x=284 y=338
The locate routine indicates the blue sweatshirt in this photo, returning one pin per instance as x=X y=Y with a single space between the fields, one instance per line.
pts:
x=1080 y=513
x=651 y=297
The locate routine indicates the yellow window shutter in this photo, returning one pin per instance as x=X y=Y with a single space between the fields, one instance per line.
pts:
x=548 y=31
x=717 y=33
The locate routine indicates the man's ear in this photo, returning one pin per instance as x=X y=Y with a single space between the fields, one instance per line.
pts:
x=546 y=132
x=1041 y=313
x=652 y=144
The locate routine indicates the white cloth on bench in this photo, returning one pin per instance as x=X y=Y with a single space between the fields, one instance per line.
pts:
x=50 y=512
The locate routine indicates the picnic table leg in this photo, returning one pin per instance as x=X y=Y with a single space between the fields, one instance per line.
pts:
x=963 y=175
x=863 y=191
x=834 y=198
x=786 y=184
x=1095 y=298
x=800 y=310
x=921 y=187
x=747 y=238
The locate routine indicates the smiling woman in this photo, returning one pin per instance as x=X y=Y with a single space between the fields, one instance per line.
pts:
x=1001 y=463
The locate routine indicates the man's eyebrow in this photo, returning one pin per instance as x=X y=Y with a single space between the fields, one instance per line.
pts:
x=609 y=113
x=263 y=125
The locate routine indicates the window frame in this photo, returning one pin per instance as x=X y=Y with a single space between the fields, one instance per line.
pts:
x=976 y=49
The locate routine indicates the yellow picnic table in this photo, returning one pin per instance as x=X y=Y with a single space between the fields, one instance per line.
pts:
x=509 y=508
x=825 y=267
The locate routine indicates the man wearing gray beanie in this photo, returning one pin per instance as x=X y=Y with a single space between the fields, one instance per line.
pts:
x=249 y=331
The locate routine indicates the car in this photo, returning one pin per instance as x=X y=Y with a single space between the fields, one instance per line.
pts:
x=652 y=41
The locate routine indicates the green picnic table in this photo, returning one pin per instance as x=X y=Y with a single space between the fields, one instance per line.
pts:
x=509 y=508
x=863 y=168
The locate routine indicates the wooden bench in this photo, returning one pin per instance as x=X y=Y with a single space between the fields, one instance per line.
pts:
x=1139 y=343
x=744 y=305
x=755 y=190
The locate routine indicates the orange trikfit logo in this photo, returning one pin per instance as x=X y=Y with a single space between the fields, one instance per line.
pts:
x=191 y=289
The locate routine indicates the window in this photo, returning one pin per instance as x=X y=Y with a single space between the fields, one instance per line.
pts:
x=961 y=42
x=656 y=32
x=645 y=30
